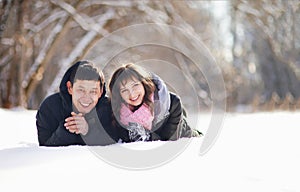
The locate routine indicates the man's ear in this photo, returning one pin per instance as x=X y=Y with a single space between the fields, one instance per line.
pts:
x=69 y=86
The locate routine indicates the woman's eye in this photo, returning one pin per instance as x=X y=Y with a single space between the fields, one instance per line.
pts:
x=124 y=91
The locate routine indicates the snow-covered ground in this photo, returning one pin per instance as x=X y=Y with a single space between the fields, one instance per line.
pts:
x=254 y=152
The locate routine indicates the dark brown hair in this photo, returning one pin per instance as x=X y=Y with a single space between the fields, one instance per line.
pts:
x=86 y=70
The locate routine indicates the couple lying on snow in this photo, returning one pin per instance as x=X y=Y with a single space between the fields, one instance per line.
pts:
x=140 y=108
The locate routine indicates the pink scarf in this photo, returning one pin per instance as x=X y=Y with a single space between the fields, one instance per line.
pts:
x=142 y=116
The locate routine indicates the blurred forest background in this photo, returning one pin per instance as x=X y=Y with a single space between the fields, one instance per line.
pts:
x=256 y=45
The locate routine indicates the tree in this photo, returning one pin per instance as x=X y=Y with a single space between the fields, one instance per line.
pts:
x=258 y=55
x=267 y=36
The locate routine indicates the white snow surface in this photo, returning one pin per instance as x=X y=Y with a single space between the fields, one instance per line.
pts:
x=253 y=152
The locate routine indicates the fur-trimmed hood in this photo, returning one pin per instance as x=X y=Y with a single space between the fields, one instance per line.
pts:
x=162 y=101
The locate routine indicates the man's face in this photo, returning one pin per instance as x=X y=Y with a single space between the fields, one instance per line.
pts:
x=85 y=94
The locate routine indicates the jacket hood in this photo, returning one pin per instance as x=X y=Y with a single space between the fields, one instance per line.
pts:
x=63 y=90
x=162 y=102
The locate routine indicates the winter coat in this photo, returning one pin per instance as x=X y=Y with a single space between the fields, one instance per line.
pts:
x=53 y=111
x=169 y=121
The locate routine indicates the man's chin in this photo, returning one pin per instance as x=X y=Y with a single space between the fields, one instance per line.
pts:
x=85 y=111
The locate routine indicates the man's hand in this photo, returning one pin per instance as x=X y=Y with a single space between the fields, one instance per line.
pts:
x=77 y=124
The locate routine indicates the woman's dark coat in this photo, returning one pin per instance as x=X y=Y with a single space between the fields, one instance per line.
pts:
x=171 y=123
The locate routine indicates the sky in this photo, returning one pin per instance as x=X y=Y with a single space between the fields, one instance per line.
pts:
x=254 y=152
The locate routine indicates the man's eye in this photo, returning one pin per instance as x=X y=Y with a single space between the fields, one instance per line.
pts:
x=93 y=92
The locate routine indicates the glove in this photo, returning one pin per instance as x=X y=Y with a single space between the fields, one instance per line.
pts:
x=137 y=132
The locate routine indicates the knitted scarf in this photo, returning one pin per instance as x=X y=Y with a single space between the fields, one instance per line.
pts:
x=142 y=116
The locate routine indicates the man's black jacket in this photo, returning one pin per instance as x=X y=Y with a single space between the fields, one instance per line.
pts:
x=53 y=111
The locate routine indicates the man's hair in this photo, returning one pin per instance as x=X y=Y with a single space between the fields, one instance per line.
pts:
x=86 y=70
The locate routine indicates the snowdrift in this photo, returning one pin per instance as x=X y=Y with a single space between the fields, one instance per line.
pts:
x=254 y=152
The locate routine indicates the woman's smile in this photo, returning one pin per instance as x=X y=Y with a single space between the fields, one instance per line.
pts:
x=134 y=98
x=132 y=92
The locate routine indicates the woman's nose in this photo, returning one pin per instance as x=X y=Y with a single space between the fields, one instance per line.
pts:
x=131 y=92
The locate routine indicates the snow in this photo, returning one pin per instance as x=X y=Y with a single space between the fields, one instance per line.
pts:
x=254 y=152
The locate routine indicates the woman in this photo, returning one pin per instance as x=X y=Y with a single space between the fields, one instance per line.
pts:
x=145 y=108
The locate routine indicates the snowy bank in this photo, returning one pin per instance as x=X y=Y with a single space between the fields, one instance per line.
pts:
x=254 y=152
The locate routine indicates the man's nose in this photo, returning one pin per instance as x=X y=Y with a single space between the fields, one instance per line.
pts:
x=86 y=94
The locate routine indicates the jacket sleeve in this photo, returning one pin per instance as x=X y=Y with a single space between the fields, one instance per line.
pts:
x=122 y=132
x=169 y=129
x=50 y=127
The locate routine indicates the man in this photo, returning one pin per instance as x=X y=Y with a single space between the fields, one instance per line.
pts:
x=80 y=114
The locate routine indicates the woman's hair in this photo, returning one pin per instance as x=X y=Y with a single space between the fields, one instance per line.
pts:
x=121 y=76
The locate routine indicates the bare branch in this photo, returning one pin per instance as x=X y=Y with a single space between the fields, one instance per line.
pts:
x=43 y=52
x=108 y=3
x=37 y=28
x=43 y=12
x=84 y=24
x=5 y=60
x=4 y=17
x=88 y=24
x=249 y=10
x=78 y=50
x=157 y=16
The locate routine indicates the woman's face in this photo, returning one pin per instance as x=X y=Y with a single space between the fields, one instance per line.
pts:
x=132 y=91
